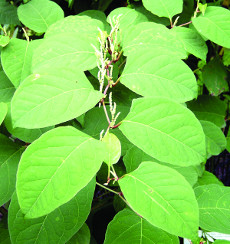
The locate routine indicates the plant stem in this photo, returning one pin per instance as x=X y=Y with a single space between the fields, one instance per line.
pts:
x=108 y=189
x=106 y=114
x=186 y=23
x=114 y=84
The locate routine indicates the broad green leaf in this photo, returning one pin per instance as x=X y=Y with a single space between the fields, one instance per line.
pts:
x=56 y=227
x=6 y=88
x=135 y=156
x=148 y=35
x=164 y=8
x=81 y=237
x=151 y=17
x=127 y=17
x=167 y=127
x=156 y=73
x=38 y=15
x=75 y=24
x=226 y=57
x=16 y=59
x=10 y=154
x=208 y=178
x=52 y=99
x=54 y=168
x=8 y=13
x=4 y=40
x=3 y=111
x=214 y=25
x=26 y=135
x=168 y=199
x=128 y=227
x=215 y=77
x=113 y=149
x=215 y=139
x=214 y=207
x=209 y=108
x=66 y=50
x=221 y=242
x=98 y=15
x=193 y=43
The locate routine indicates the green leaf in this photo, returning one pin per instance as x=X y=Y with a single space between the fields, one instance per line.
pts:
x=6 y=88
x=215 y=139
x=26 y=135
x=214 y=25
x=38 y=15
x=193 y=43
x=52 y=99
x=113 y=149
x=147 y=36
x=81 y=237
x=3 y=111
x=54 y=168
x=75 y=24
x=208 y=178
x=215 y=77
x=226 y=57
x=151 y=17
x=135 y=156
x=127 y=227
x=16 y=59
x=4 y=40
x=164 y=8
x=128 y=18
x=221 y=242
x=66 y=50
x=58 y=226
x=168 y=199
x=96 y=14
x=8 y=13
x=214 y=207
x=168 y=127
x=155 y=73
x=10 y=154
x=209 y=108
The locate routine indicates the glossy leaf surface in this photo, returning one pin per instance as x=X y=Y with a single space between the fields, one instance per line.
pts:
x=54 y=168
x=214 y=207
x=16 y=59
x=128 y=227
x=38 y=15
x=10 y=154
x=193 y=43
x=215 y=139
x=168 y=198
x=155 y=73
x=164 y=8
x=214 y=25
x=56 y=227
x=167 y=131
x=52 y=99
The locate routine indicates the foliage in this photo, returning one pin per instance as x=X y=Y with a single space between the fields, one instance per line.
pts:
x=134 y=103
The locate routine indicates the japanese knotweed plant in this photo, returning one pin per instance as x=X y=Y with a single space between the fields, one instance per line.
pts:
x=110 y=102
